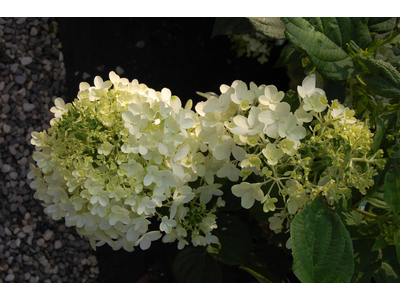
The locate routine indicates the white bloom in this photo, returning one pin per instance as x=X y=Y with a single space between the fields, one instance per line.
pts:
x=308 y=88
x=250 y=125
x=228 y=146
x=271 y=97
x=273 y=118
x=290 y=129
x=167 y=224
x=60 y=108
x=146 y=239
x=229 y=170
x=316 y=102
x=272 y=154
x=241 y=92
x=208 y=191
x=248 y=192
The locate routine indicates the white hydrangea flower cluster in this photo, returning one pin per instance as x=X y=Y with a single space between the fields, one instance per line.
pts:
x=118 y=155
x=260 y=140
x=123 y=154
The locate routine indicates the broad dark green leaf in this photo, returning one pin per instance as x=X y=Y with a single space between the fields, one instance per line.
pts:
x=272 y=27
x=326 y=53
x=381 y=24
x=379 y=76
x=392 y=189
x=322 y=248
x=366 y=262
x=343 y=29
x=235 y=242
x=379 y=86
x=389 y=272
x=195 y=265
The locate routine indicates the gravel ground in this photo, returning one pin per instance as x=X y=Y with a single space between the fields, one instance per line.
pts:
x=33 y=247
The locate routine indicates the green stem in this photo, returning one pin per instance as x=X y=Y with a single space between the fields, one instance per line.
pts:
x=365 y=213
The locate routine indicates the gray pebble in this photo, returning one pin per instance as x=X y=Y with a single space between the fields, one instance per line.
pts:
x=26 y=60
x=34 y=31
x=48 y=234
x=9 y=277
x=6 y=168
x=20 y=79
x=6 y=128
x=28 y=107
x=22 y=161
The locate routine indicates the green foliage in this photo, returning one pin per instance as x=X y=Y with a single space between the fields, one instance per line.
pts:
x=322 y=248
x=323 y=44
x=392 y=189
x=272 y=27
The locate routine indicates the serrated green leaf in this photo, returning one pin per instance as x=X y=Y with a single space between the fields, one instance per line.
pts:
x=379 y=86
x=235 y=242
x=195 y=265
x=322 y=248
x=329 y=57
x=272 y=27
x=381 y=24
x=379 y=76
x=392 y=189
x=343 y=29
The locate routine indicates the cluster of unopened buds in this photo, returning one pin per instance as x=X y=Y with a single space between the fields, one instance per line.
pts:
x=123 y=154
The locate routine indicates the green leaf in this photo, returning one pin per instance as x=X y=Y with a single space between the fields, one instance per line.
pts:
x=379 y=244
x=341 y=30
x=383 y=123
x=289 y=57
x=195 y=265
x=376 y=199
x=380 y=86
x=322 y=248
x=231 y=25
x=396 y=238
x=389 y=272
x=366 y=262
x=396 y=149
x=381 y=24
x=235 y=242
x=392 y=189
x=272 y=27
x=325 y=52
x=378 y=76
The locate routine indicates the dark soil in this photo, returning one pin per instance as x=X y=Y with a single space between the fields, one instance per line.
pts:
x=178 y=53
